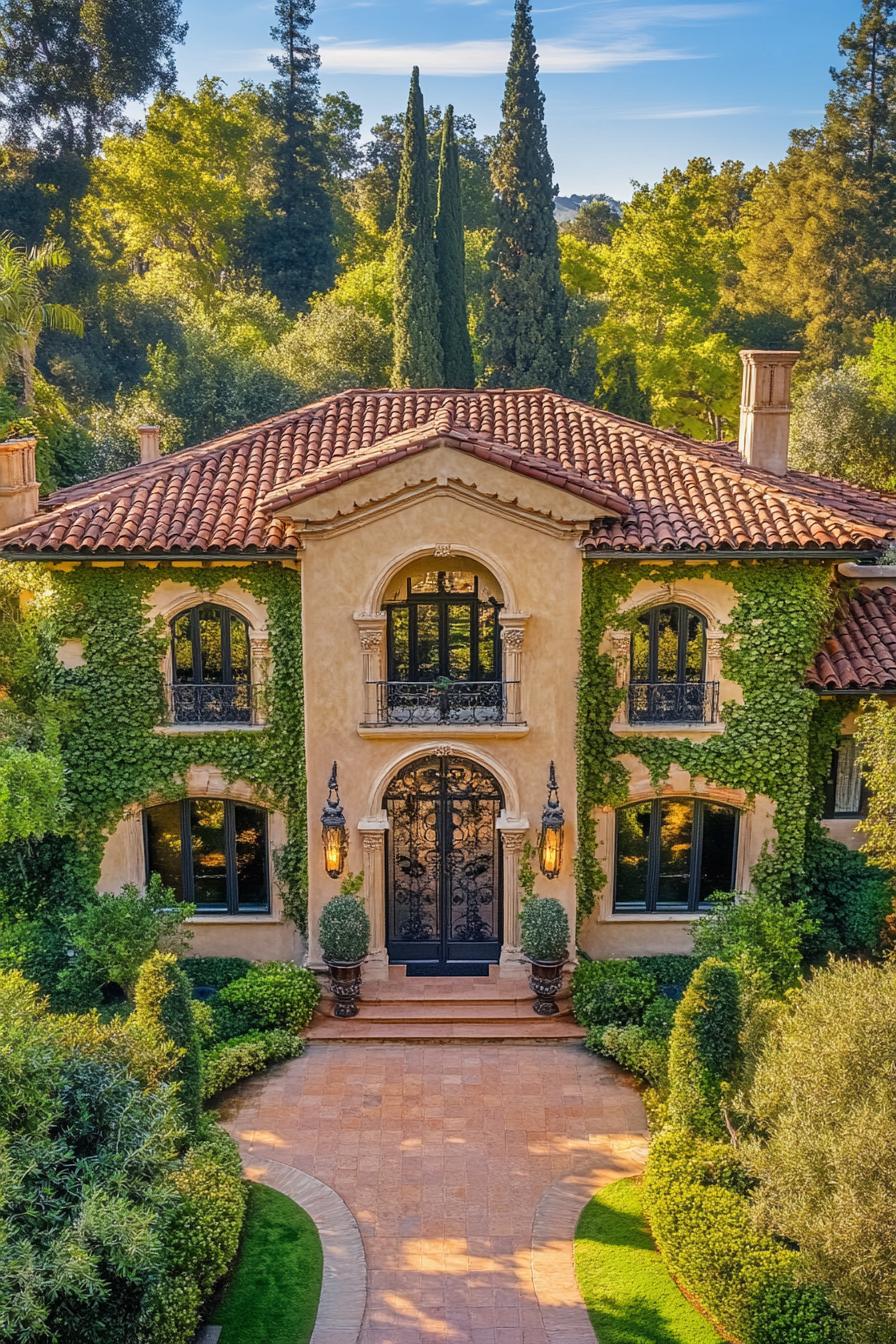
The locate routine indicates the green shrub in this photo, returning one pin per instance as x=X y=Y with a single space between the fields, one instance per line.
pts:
x=695 y=1194
x=658 y=1019
x=344 y=929
x=758 y=934
x=606 y=993
x=215 y=972
x=846 y=897
x=670 y=972
x=635 y=1049
x=703 y=1048
x=163 y=1007
x=226 y=1063
x=824 y=1097
x=273 y=994
x=544 y=929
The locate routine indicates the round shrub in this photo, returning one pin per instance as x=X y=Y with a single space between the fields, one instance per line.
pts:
x=344 y=929
x=273 y=994
x=544 y=929
x=703 y=1048
x=606 y=993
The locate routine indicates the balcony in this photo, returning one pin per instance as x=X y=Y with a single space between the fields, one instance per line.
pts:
x=219 y=705
x=418 y=703
x=670 y=702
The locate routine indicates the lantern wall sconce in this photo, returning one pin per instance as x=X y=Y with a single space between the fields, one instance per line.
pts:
x=333 y=829
x=550 y=841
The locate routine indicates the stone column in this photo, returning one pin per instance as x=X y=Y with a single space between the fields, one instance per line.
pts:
x=621 y=644
x=372 y=633
x=260 y=659
x=373 y=841
x=513 y=634
x=514 y=832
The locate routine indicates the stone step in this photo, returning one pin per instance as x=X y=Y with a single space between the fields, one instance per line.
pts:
x=444 y=1010
x=362 y=1029
x=447 y=989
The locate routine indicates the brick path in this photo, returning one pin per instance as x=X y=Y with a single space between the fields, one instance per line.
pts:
x=444 y=1153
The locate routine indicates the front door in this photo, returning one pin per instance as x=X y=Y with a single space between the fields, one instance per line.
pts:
x=443 y=864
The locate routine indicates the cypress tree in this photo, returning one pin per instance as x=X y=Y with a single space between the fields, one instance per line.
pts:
x=417 y=357
x=295 y=243
x=527 y=342
x=162 y=1009
x=456 y=352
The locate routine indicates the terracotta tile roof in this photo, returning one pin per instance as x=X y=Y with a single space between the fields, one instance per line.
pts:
x=665 y=492
x=860 y=654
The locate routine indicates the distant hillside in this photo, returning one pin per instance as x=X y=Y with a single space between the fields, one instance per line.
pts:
x=567 y=207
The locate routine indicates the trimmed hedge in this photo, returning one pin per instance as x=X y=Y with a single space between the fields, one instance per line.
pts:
x=163 y=1007
x=618 y=993
x=230 y=1061
x=216 y=972
x=274 y=994
x=704 y=1048
x=696 y=1197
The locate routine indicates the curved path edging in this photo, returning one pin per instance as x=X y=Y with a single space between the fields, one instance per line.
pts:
x=563 y=1312
x=343 y=1290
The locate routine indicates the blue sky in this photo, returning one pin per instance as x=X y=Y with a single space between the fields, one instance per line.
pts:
x=632 y=86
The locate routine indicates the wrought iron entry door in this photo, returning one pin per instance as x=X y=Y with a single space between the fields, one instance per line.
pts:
x=443 y=901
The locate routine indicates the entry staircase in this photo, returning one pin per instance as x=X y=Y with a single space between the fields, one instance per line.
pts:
x=399 y=1007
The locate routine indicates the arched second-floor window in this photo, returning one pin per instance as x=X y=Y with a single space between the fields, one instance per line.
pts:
x=668 y=668
x=213 y=852
x=673 y=853
x=210 y=660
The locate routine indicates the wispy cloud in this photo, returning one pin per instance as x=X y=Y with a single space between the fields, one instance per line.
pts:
x=684 y=113
x=486 y=57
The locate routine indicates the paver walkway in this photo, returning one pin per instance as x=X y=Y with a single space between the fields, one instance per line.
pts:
x=443 y=1153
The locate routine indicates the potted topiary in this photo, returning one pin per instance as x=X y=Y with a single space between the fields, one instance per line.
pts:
x=544 y=932
x=345 y=941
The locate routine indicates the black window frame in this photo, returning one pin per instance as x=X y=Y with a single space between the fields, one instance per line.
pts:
x=694 y=904
x=443 y=598
x=653 y=615
x=830 y=812
x=226 y=617
x=232 y=906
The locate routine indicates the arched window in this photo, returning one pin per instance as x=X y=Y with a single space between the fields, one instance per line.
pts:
x=210 y=664
x=668 y=671
x=212 y=851
x=673 y=853
x=444 y=651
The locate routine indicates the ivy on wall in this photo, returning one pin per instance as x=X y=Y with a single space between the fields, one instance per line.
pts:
x=778 y=623
x=106 y=711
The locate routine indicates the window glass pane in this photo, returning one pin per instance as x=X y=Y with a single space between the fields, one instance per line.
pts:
x=250 y=830
x=641 y=648
x=427 y=650
x=632 y=855
x=239 y=650
x=163 y=845
x=694 y=650
x=209 y=620
x=209 y=853
x=399 y=620
x=667 y=644
x=848 y=787
x=676 y=834
x=183 y=648
x=717 y=855
x=488 y=621
x=460 y=637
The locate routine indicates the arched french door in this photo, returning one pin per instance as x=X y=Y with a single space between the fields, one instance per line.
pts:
x=443 y=864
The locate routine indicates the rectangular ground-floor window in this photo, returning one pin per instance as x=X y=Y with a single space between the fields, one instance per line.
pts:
x=673 y=853
x=845 y=794
x=213 y=852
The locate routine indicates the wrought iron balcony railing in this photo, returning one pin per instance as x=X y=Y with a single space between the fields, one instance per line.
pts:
x=417 y=702
x=194 y=702
x=673 y=702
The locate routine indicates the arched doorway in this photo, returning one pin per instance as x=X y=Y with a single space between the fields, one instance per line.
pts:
x=443 y=864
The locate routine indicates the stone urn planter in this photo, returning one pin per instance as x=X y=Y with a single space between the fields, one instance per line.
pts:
x=344 y=942
x=544 y=932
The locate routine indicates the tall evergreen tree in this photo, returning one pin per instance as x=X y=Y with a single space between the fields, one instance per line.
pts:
x=861 y=112
x=417 y=360
x=527 y=342
x=294 y=243
x=456 y=352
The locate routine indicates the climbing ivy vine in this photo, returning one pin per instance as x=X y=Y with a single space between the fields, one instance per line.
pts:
x=107 y=710
x=782 y=612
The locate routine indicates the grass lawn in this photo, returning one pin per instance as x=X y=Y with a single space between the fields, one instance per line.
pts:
x=628 y=1292
x=273 y=1293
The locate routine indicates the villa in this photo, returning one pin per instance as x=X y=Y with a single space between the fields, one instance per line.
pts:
x=408 y=611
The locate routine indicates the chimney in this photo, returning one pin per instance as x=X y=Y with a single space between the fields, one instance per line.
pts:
x=765 y=408
x=18 y=481
x=148 y=438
